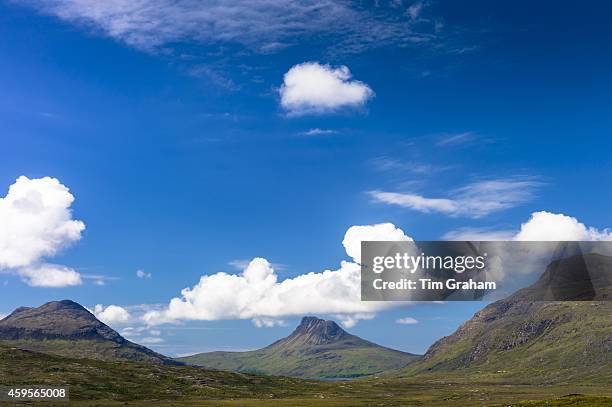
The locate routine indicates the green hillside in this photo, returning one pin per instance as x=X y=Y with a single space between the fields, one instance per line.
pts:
x=316 y=349
x=541 y=341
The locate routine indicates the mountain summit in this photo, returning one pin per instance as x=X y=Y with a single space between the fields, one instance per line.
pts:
x=316 y=331
x=66 y=328
x=55 y=320
x=317 y=348
x=313 y=331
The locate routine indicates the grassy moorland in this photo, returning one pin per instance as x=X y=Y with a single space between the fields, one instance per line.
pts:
x=108 y=383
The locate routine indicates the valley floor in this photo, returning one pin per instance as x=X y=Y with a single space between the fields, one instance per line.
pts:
x=98 y=383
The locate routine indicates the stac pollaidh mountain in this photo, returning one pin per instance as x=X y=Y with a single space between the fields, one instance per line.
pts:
x=66 y=328
x=316 y=349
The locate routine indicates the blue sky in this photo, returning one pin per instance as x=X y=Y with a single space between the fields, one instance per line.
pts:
x=167 y=124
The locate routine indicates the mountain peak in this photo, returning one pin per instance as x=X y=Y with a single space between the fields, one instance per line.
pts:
x=56 y=319
x=310 y=323
x=316 y=331
x=320 y=330
x=48 y=327
x=62 y=305
x=310 y=319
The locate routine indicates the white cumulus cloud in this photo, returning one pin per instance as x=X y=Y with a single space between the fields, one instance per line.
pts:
x=112 y=314
x=261 y=322
x=49 y=275
x=380 y=232
x=37 y=223
x=313 y=88
x=257 y=293
x=541 y=226
x=556 y=226
x=350 y=320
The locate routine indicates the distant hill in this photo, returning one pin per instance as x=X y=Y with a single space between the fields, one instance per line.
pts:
x=552 y=340
x=66 y=328
x=316 y=349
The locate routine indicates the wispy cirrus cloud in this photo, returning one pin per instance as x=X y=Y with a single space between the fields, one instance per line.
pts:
x=478 y=234
x=318 y=132
x=99 y=279
x=150 y=340
x=385 y=163
x=406 y=321
x=474 y=200
x=415 y=10
x=262 y=26
x=140 y=273
x=454 y=139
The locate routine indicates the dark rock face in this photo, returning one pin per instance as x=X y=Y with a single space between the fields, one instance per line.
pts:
x=56 y=320
x=315 y=331
x=582 y=277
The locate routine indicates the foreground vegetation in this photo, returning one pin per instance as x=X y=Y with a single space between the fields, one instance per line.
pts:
x=100 y=383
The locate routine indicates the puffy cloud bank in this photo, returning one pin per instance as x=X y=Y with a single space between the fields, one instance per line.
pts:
x=50 y=275
x=37 y=223
x=556 y=226
x=312 y=88
x=111 y=315
x=257 y=293
x=541 y=226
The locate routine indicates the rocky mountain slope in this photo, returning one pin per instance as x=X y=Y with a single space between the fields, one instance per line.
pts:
x=66 y=328
x=544 y=340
